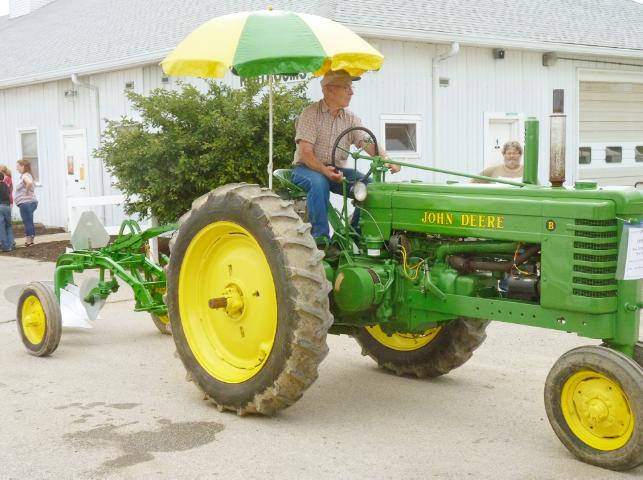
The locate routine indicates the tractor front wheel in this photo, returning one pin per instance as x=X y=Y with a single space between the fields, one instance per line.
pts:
x=39 y=319
x=436 y=352
x=594 y=402
x=248 y=299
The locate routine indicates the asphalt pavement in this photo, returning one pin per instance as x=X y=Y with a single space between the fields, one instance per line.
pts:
x=113 y=402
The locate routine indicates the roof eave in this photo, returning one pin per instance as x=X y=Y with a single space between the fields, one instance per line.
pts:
x=492 y=42
x=367 y=31
x=90 y=69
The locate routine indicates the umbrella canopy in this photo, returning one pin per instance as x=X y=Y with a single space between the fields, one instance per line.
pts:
x=271 y=42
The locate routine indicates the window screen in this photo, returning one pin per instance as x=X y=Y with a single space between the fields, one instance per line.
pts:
x=29 y=144
x=401 y=137
x=613 y=154
x=638 y=153
x=585 y=155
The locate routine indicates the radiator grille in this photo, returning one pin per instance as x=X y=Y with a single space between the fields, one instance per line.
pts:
x=596 y=223
x=595 y=246
x=586 y=293
x=595 y=282
x=595 y=257
x=597 y=270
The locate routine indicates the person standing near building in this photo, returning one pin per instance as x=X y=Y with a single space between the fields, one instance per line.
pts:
x=8 y=180
x=26 y=200
x=7 y=242
x=511 y=168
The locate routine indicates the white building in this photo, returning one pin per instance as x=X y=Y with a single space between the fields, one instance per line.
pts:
x=459 y=78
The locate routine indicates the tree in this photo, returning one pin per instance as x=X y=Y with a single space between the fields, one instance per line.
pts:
x=191 y=141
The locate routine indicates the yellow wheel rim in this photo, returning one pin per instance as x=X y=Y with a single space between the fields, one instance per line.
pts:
x=33 y=320
x=404 y=342
x=597 y=410
x=228 y=302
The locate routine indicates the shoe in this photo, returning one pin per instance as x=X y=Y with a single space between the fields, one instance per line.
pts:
x=330 y=249
x=322 y=242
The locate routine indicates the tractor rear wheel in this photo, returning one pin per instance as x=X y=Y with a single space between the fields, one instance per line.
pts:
x=248 y=299
x=436 y=352
x=594 y=400
x=39 y=319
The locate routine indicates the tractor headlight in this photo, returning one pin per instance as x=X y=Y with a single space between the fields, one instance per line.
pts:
x=360 y=191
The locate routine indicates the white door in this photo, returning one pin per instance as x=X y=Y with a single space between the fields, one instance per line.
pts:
x=75 y=162
x=501 y=128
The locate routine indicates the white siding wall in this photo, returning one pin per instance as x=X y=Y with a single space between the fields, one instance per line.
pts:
x=23 y=7
x=478 y=84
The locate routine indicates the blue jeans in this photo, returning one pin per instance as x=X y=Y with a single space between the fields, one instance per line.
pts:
x=26 y=213
x=6 y=232
x=318 y=189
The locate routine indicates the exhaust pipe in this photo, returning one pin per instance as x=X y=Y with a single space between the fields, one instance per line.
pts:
x=557 y=140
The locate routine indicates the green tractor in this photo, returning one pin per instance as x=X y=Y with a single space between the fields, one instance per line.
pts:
x=251 y=299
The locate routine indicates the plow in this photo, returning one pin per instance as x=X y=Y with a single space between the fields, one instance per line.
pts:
x=44 y=308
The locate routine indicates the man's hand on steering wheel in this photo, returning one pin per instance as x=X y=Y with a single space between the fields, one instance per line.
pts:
x=392 y=167
x=370 y=149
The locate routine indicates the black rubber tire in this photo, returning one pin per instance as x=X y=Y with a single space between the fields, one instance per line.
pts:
x=164 y=327
x=638 y=353
x=452 y=347
x=301 y=287
x=53 y=321
x=621 y=370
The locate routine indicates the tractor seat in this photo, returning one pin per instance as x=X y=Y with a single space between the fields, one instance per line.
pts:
x=284 y=176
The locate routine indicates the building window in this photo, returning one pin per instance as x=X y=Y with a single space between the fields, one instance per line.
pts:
x=402 y=135
x=613 y=154
x=585 y=155
x=29 y=150
x=638 y=153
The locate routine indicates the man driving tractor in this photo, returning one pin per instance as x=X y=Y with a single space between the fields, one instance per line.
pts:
x=316 y=131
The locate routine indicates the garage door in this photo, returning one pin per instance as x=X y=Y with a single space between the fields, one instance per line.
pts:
x=611 y=132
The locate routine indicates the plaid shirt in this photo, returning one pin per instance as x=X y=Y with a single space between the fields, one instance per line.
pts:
x=317 y=125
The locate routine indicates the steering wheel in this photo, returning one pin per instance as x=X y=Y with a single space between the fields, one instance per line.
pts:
x=346 y=132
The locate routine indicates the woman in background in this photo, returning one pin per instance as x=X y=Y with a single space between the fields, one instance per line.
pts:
x=25 y=199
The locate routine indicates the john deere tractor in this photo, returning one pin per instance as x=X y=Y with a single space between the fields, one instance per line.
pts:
x=251 y=298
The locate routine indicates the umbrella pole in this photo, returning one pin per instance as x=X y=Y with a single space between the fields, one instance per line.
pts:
x=270 y=80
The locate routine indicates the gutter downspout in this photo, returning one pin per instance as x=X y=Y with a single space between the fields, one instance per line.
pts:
x=94 y=88
x=455 y=48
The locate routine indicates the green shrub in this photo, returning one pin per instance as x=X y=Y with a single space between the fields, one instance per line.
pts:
x=191 y=141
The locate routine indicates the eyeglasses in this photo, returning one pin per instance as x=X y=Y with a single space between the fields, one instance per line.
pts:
x=348 y=89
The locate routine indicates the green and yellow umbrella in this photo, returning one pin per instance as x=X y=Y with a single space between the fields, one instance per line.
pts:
x=270 y=42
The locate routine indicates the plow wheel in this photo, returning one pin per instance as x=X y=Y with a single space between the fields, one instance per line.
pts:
x=436 y=352
x=162 y=322
x=594 y=402
x=248 y=299
x=38 y=318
